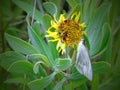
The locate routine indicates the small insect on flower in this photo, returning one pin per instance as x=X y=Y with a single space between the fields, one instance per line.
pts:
x=83 y=63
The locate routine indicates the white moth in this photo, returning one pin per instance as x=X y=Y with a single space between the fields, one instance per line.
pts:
x=83 y=63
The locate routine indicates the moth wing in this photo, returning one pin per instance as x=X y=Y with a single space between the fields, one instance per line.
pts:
x=83 y=63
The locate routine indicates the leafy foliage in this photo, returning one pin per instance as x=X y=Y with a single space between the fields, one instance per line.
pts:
x=29 y=62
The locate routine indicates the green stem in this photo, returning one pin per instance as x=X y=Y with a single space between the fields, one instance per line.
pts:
x=73 y=56
x=24 y=82
x=67 y=53
x=33 y=12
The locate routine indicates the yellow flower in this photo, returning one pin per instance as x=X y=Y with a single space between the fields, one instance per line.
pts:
x=66 y=31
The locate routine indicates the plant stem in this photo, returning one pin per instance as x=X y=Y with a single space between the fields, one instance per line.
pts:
x=24 y=82
x=73 y=56
x=33 y=12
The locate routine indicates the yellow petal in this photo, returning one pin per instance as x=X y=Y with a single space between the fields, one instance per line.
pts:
x=53 y=40
x=53 y=24
x=49 y=29
x=63 y=47
x=62 y=18
x=73 y=15
x=54 y=16
x=58 y=44
x=83 y=25
x=51 y=34
x=77 y=17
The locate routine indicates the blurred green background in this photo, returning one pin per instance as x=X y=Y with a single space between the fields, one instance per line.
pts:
x=13 y=21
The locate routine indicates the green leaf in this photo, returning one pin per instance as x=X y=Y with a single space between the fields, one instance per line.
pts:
x=93 y=5
x=20 y=45
x=18 y=80
x=76 y=84
x=37 y=28
x=77 y=8
x=89 y=9
x=40 y=44
x=34 y=38
x=111 y=83
x=7 y=58
x=59 y=85
x=41 y=58
x=87 y=42
x=101 y=67
x=95 y=82
x=52 y=45
x=39 y=69
x=72 y=3
x=50 y=8
x=98 y=67
x=42 y=83
x=47 y=18
x=86 y=10
x=76 y=76
x=22 y=67
x=36 y=68
x=29 y=10
x=94 y=28
x=105 y=37
x=62 y=63
x=83 y=86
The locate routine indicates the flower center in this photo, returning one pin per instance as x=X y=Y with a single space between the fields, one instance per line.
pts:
x=70 y=32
